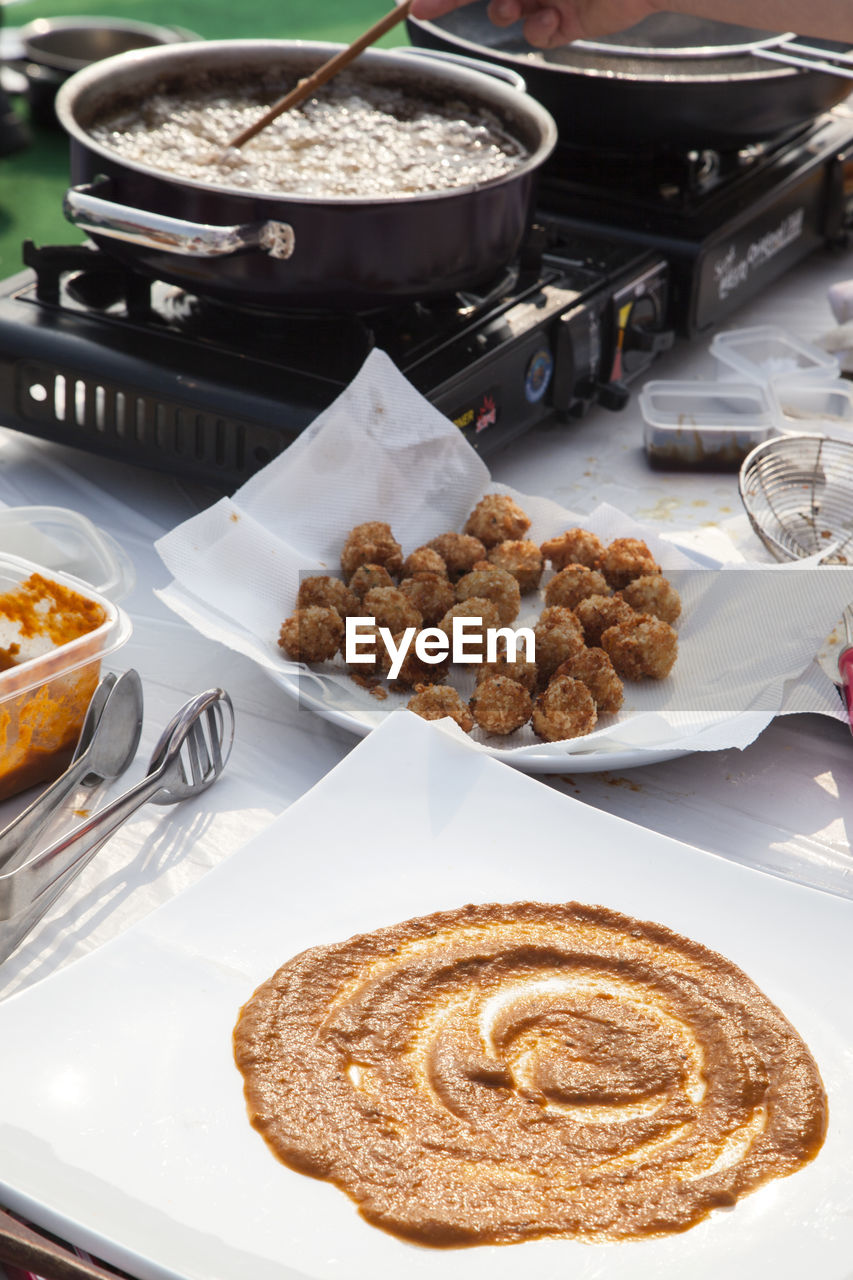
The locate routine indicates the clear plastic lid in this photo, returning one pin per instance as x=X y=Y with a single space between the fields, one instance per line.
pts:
x=673 y=405
x=39 y=657
x=767 y=354
x=814 y=408
x=60 y=539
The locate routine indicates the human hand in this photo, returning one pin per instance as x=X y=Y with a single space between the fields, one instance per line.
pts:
x=550 y=23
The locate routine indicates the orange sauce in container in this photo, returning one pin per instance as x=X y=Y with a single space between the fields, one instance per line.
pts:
x=47 y=677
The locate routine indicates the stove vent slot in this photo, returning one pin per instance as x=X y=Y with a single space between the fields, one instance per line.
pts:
x=140 y=427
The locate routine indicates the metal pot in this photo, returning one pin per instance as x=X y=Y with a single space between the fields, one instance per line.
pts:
x=670 y=82
x=289 y=251
x=54 y=48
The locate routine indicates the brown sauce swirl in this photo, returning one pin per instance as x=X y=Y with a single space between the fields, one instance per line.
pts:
x=503 y=1072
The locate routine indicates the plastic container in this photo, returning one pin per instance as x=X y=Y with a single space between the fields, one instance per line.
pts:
x=812 y=408
x=704 y=425
x=767 y=353
x=55 y=632
x=58 y=538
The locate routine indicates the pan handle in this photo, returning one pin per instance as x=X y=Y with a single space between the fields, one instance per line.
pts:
x=506 y=74
x=102 y=217
x=814 y=58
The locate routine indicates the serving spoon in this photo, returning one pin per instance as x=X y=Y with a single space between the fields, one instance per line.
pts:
x=306 y=87
x=108 y=740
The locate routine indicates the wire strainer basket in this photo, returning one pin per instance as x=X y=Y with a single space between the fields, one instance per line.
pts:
x=798 y=494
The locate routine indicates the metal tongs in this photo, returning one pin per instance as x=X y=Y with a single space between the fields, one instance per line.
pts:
x=106 y=746
x=189 y=756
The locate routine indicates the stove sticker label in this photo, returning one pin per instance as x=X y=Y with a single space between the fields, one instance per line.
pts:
x=480 y=415
x=732 y=271
x=538 y=374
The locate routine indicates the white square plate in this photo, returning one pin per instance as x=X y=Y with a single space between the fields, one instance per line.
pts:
x=122 y=1121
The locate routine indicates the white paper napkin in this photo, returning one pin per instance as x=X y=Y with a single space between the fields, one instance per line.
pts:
x=382 y=452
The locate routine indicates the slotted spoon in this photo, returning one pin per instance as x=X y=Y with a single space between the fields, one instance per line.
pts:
x=798 y=493
x=190 y=755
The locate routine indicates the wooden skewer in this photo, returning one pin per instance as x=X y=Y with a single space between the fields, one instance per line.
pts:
x=306 y=87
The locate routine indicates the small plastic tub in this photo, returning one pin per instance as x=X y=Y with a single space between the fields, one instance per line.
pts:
x=55 y=631
x=768 y=353
x=708 y=426
x=813 y=408
x=59 y=538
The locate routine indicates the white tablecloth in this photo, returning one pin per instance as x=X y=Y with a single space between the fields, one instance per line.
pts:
x=784 y=804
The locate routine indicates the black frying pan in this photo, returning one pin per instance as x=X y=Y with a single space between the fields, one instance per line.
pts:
x=668 y=82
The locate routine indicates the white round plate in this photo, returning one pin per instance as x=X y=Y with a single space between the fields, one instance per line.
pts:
x=327 y=699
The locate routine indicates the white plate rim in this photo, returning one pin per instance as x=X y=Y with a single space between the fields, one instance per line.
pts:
x=186 y=933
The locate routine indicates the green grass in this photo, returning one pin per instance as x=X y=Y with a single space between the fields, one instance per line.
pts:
x=32 y=183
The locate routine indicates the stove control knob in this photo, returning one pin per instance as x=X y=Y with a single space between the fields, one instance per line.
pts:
x=612 y=395
x=643 y=337
x=649 y=340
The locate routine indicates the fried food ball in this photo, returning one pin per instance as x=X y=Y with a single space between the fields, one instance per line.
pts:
x=575 y=583
x=312 y=634
x=328 y=593
x=558 y=636
x=597 y=613
x=500 y=705
x=654 y=594
x=431 y=594
x=391 y=608
x=565 y=710
x=475 y=607
x=423 y=560
x=642 y=646
x=413 y=670
x=371 y=543
x=459 y=551
x=596 y=671
x=575 y=546
x=522 y=558
x=519 y=669
x=558 y=615
x=368 y=576
x=495 y=519
x=492 y=584
x=435 y=701
x=625 y=559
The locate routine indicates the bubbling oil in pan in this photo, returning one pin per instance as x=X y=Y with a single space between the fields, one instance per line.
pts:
x=351 y=140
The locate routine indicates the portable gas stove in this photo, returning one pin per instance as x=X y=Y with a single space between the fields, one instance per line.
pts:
x=95 y=355
x=727 y=224
x=625 y=251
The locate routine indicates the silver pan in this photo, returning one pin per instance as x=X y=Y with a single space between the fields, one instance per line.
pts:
x=670 y=82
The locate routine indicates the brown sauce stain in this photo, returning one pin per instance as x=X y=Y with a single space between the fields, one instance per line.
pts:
x=499 y=1073
x=624 y=782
